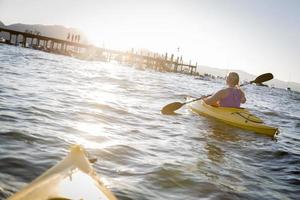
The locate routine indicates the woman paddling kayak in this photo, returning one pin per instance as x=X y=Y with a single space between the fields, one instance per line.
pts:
x=225 y=106
x=232 y=96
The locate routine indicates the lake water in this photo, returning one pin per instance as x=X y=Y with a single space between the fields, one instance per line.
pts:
x=48 y=102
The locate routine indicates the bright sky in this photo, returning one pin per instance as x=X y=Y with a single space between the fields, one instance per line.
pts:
x=256 y=36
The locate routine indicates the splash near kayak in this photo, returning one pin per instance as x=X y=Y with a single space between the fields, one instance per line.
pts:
x=239 y=117
x=71 y=178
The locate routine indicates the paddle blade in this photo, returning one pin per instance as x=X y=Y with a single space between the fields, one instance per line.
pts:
x=170 y=108
x=263 y=78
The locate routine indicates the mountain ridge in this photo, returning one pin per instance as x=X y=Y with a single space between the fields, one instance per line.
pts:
x=55 y=31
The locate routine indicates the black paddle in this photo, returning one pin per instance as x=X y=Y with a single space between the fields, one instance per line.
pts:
x=170 y=108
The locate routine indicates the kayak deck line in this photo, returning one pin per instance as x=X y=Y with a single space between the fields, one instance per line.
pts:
x=255 y=120
x=71 y=178
x=238 y=117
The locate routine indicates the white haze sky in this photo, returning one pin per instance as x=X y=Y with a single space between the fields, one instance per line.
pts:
x=256 y=36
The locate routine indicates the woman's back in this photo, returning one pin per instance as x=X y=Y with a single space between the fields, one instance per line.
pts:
x=232 y=99
x=232 y=96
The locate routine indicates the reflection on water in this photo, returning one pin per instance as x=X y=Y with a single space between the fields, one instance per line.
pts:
x=214 y=153
x=48 y=102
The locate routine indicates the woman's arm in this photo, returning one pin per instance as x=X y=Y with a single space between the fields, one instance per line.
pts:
x=214 y=99
x=243 y=98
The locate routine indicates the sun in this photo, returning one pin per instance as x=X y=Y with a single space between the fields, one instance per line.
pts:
x=112 y=37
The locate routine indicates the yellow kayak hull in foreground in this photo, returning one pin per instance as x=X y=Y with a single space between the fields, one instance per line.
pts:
x=71 y=178
x=238 y=117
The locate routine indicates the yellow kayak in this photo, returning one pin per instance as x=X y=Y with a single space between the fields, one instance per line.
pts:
x=239 y=117
x=71 y=178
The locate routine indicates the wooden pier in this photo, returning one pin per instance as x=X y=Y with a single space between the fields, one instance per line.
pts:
x=40 y=42
x=142 y=60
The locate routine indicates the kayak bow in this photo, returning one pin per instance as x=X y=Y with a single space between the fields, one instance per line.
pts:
x=71 y=178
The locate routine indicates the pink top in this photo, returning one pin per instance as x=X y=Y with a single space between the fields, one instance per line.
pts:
x=233 y=99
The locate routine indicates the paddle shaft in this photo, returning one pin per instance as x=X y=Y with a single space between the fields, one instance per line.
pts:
x=197 y=99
